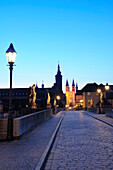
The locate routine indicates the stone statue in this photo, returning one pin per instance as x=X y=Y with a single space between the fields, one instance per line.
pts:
x=48 y=101
x=32 y=97
x=55 y=102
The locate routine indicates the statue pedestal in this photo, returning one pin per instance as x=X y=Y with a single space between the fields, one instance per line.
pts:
x=103 y=110
x=48 y=105
x=99 y=110
x=33 y=106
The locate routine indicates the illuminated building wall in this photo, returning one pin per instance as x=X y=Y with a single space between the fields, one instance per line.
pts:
x=70 y=95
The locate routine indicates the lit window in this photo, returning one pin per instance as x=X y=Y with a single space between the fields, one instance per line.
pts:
x=89 y=100
x=97 y=94
x=0 y=94
x=19 y=93
x=3 y=94
x=88 y=93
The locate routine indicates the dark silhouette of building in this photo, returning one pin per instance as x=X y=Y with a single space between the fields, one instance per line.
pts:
x=20 y=96
x=58 y=78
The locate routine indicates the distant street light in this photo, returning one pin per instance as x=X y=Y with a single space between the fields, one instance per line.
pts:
x=107 y=89
x=11 y=57
x=58 y=98
x=99 y=91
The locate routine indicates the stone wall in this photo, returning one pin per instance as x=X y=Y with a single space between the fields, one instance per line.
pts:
x=109 y=113
x=57 y=109
x=3 y=129
x=92 y=109
x=24 y=123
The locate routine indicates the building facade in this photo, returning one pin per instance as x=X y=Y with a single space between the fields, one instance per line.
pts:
x=89 y=97
x=70 y=95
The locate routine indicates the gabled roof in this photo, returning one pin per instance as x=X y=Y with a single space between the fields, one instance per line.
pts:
x=90 y=87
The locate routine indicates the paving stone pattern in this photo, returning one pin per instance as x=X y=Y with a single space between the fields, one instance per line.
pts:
x=101 y=117
x=25 y=154
x=82 y=143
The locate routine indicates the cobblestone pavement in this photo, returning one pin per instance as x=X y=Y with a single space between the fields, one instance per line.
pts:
x=24 y=154
x=82 y=143
x=100 y=116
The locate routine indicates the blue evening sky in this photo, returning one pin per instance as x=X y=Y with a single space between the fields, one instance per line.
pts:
x=77 y=33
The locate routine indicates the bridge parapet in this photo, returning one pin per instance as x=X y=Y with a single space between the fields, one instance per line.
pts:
x=22 y=124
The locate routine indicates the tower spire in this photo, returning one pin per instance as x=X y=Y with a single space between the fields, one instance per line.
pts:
x=42 y=84
x=67 y=84
x=58 y=72
x=73 y=83
x=36 y=85
x=76 y=87
x=59 y=78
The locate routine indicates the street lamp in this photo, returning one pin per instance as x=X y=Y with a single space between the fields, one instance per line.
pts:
x=11 y=57
x=99 y=91
x=58 y=98
x=107 y=89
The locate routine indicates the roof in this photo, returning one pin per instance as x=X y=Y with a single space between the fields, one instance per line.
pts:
x=11 y=49
x=79 y=92
x=90 y=87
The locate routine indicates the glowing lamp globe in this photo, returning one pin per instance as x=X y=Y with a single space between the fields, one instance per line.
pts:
x=99 y=90
x=11 y=54
x=107 y=86
x=58 y=97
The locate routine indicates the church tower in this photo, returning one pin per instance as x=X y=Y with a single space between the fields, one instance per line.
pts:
x=76 y=87
x=67 y=86
x=73 y=86
x=59 y=78
x=70 y=95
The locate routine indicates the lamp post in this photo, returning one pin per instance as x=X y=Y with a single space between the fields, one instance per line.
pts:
x=107 y=89
x=11 y=57
x=58 y=98
x=99 y=91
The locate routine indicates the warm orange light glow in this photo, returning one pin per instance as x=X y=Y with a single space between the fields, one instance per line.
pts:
x=107 y=86
x=58 y=97
x=81 y=101
x=98 y=90
x=66 y=105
